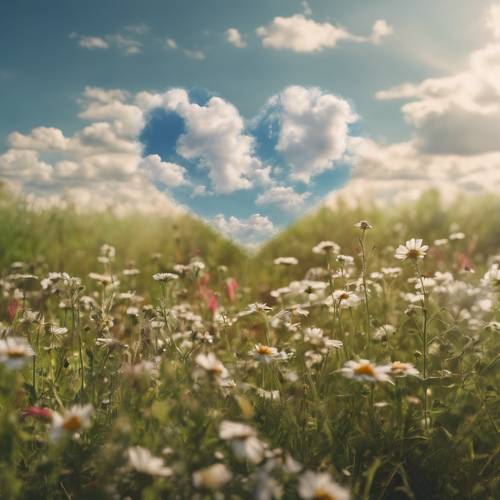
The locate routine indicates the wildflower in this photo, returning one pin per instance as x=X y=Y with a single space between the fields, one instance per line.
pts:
x=38 y=412
x=456 y=236
x=231 y=287
x=103 y=279
x=244 y=443
x=363 y=225
x=492 y=277
x=326 y=247
x=265 y=353
x=399 y=369
x=392 y=272
x=108 y=251
x=71 y=421
x=58 y=330
x=286 y=261
x=345 y=299
x=316 y=337
x=212 y=366
x=365 y=371
x=132 y=311
x=411 y=250
x=441 y=242
x=165 y=277
x=131 y=272
x=320 y=485
x=212 y=477
x=383 y=332
x=345 y=259
x=15 y=352
x=143 y=461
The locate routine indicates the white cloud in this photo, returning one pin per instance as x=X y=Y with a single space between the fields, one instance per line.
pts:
x=167 y=173
x=314 y=129
x=233 y=36
x=124 y=44
x=97 y=168
x=215 y=137
x=381 y=29
x=283 y=197
x=400 y=172
x=197 y=55
x=92 y=42
x=455 y=146
x=456 y=114
x=306 y=8
x=251 y=230
x=493 y=20
x=171 y=44
x=127 y=45
x=301 y=34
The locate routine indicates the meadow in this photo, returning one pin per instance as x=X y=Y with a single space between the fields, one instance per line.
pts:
x=353 y=356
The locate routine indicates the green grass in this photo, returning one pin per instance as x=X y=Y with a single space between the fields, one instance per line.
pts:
x=371 y=438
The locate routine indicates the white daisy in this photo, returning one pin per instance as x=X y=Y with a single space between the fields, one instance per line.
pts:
x=15 y=352
x=143 y=461
x=71 y=421
x=320 y=485
x=326 y=247
x=411 y=250
x=286 y=261
x=366 y=371
x=212 y=477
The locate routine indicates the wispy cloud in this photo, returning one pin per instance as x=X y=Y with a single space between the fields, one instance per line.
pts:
x=299 y=33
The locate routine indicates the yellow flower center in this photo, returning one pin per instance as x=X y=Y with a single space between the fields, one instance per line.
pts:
x=72 y=424
x=16 y=353
x=365 y=369
x=413 y=254
x=265 y=350
x=321 y=494
x=398 y=367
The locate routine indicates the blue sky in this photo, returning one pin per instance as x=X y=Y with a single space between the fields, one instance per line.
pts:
x=53 y=51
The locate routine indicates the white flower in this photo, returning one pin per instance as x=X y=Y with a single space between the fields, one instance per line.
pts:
x=165 y=277
x=366 y=371
x=492 y=277
x=316 y=337
x=345 y=259
x=392 y=272
x=143 y=461
x=320 y=485
x=411 y=250
x=286 y=261
x=265 y=353
x=212 y=366
x=364 y=225
x=383 y=332
x=244 y=443
x=58 y=330
x=71 y=421
x=399 y=369
x=441 y=242
x=213 y=477
x=15 y=352
x=104 y=279
x=457 y=236
x=345 y=299
x=131 y=272
x=326 y=247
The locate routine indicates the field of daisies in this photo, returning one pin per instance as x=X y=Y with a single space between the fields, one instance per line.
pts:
x=355 y=356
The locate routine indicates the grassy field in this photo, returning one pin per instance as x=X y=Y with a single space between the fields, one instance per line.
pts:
x=169 y=363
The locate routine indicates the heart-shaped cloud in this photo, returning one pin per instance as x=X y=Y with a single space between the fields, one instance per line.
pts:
x=188 y=149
